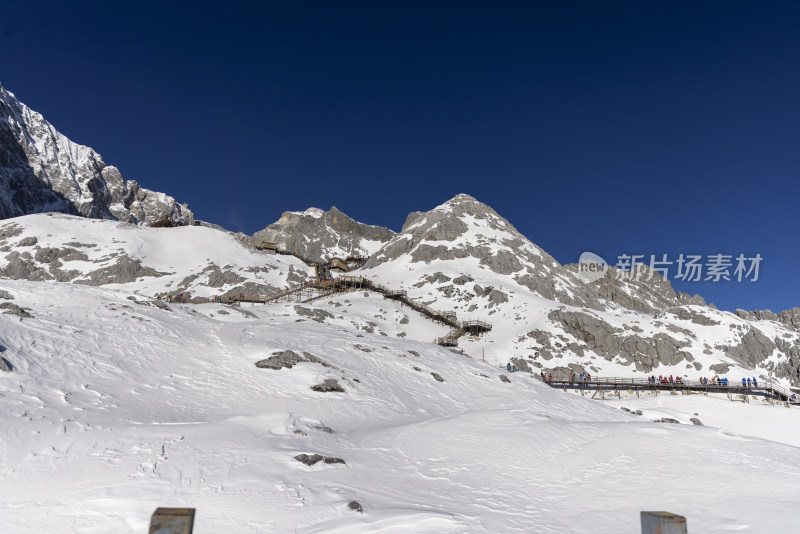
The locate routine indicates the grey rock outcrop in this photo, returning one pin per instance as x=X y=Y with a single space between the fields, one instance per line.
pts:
x=790 y=318
x=43 y=171
x=645 y=353
x=753 y=349
x=312 y=459
x=321 y=235
x=328 y=385
x=13 y=309
x=287 y=359
x=355 y=506
x=644 y=289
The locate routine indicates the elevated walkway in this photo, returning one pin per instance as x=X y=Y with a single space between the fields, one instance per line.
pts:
x=613 y=385
x=327 y=285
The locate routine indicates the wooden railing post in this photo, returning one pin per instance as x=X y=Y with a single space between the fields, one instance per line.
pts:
x=663 y=523
x=172 y=521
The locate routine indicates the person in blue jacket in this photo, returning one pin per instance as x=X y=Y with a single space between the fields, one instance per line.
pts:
x=744 y=382
x=755 y=382
x=508 y=366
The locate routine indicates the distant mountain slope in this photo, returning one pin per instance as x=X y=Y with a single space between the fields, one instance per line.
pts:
x=41 y=170
x=321 y=235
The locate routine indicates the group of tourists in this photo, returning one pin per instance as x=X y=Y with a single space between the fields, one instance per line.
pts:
x=664 y=380
x=715 y=381
x=653 y=380
x=582 y=377
x=573 y=377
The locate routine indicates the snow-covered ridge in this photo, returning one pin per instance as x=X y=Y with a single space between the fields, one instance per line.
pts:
x=41 y=170
x=194 y=260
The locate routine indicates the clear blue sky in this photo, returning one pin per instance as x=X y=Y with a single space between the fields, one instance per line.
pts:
x=641 y=127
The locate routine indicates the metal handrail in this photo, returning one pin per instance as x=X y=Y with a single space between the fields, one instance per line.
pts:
x=768 y=385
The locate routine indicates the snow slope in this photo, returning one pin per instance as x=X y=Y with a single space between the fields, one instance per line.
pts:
x=115 y=407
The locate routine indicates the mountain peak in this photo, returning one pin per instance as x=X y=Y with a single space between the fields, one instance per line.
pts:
x=321 y=235
x=41 y=170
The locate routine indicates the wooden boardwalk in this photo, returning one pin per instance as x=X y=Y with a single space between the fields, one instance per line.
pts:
x=614 y=385
x=328 y=285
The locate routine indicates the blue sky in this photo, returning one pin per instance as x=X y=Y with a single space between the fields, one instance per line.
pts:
x=636 y=127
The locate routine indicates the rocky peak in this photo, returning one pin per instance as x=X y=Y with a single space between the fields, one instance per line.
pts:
x=464 y=228
x=321 y=235
x=790 y=318
x=43 y=171
x=644 y=290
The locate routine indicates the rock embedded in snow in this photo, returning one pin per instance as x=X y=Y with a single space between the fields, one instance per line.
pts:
x=667 y=420
x=312 y=459
x=328 y=385
x=355 y=506
x=13 y=309
x=287 y=359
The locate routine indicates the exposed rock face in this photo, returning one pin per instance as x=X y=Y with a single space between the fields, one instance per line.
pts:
x=43 y=171
x=753 y=349
x=790 y=318
x=645 y=353
x=321 y=235
x=643 y=290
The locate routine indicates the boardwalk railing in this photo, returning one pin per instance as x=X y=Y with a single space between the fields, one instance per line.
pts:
x=312 y=290
x=765 y=387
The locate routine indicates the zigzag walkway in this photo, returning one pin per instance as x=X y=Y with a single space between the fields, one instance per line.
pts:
x=321 y=288
x=613 y=386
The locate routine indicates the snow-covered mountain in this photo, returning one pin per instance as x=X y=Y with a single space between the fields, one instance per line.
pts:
x=461 y=256
x=321 y=235
x=340 y=415
x=42 y=171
